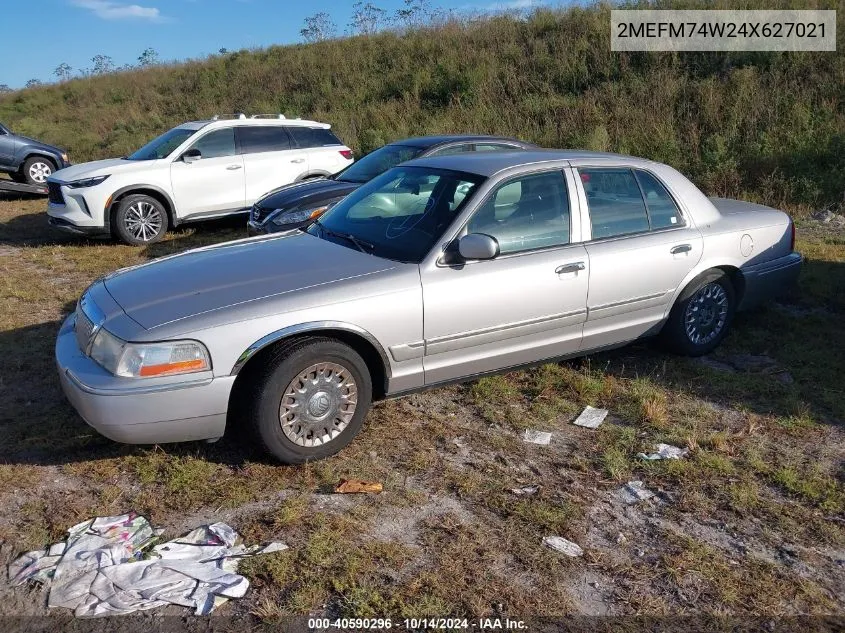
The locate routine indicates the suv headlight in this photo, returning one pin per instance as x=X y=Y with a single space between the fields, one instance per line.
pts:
x=149 y=360
x=87 y=182
x=280 y=217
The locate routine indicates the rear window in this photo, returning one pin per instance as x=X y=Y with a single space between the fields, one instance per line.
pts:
x=254 y=140
x=305 y=137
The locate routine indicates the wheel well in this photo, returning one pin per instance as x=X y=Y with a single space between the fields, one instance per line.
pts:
x=737 y=280
x=152 y=193
x=365 y=348
x=52 y=159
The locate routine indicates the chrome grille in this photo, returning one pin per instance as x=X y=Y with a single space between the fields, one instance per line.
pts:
x=84 y=330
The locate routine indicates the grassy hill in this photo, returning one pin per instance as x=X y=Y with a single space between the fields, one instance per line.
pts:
x=765 y=126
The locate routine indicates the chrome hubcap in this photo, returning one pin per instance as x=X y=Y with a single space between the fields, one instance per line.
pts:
x=318 y=404
x=143 y=221
x=39 y=172
x=706 y=314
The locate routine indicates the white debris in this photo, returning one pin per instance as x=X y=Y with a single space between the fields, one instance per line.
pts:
x=537 y=437
x=560 y=544
x=590 y=417
x=99 y=570
x=634 y=491
x=526 y=491
x=665 y=451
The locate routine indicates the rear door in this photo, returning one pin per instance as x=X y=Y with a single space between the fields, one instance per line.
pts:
x=270 y=159
x=324 y=150
x=213 y=185
x=640 y=247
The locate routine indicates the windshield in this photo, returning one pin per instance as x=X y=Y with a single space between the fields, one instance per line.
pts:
x=164 y=145
x=399 y=215
x=378 y=162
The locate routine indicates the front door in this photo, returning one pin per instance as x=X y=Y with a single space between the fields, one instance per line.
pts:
x=7 y=147
x=526 y=304
x=214 y=184
x=641 y=249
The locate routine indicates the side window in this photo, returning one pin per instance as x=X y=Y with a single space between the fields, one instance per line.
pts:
x=526 y=213
x=662 y=209
x=263 y=138
x=217 y=143
x=495 y=147
x=451 y=150
x=305 y=137
x=614 y=200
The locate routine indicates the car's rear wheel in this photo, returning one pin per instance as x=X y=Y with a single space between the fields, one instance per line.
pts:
x=36 y=170
x=309 y=399
x=702 y=315
x=140 y=219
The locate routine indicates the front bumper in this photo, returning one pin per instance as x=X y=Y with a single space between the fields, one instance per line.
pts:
x=140 y=411
x=768 y=280
x=80 y=210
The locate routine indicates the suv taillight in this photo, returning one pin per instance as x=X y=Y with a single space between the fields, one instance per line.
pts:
x=346 y=153
x=792 y=238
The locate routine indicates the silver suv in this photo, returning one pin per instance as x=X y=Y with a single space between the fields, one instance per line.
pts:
x=438 y=270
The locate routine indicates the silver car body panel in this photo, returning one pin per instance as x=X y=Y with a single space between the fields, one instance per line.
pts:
x=429 y=323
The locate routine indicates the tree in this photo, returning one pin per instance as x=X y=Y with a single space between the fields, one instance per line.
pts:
x=318 y=27
x=223 y=51
x=4 y=88
x=414 y=14
x=63 y=71
x=366 y=18
x=32 y=83
x=102 y=64
x=148 y=58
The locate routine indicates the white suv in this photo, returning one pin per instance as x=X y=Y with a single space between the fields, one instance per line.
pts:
x=197 y=171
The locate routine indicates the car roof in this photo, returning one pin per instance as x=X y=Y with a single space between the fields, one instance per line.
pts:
x=490 y=163
x=426 y=142
x=230 y=122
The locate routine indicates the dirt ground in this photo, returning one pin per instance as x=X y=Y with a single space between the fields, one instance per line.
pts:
x=751 y=523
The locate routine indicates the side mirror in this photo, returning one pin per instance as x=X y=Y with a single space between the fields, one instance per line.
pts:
x=478 y=246
x=191 y=156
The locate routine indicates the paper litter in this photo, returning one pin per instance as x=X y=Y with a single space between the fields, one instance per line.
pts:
x=537 y=437
x=560 y=544
x=590 y=417
x=526 y=491
x=354 y=486
x=103 y=568
x=665 y=451
x=634 y=491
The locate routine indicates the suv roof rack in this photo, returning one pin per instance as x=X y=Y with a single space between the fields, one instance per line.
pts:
x=236 y=115
x=268 y=116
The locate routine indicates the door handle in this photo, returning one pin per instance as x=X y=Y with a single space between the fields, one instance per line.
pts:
x=233 y=167
x=298 y=160
x=570 y=268
x=681 y=248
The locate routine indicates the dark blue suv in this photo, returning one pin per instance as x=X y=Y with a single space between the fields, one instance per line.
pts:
x=27 y=160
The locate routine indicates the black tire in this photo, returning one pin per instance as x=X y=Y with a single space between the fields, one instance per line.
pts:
x=17 y=176
x=127 y=224
x=264 y=398
x=706 y=334
x=36 y=170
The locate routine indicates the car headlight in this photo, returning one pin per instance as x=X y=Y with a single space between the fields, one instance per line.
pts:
x=65 y=158
x=280 y=217
x=149 y=360
x=87 y=182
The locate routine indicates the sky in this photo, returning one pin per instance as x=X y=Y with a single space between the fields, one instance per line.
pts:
x=46 y=33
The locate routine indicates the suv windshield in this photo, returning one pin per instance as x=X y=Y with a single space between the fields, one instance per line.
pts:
x=164 y=145
x=378 y=162
x=399 y=215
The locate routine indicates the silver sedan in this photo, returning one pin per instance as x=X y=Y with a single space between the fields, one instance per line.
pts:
x=439 y=270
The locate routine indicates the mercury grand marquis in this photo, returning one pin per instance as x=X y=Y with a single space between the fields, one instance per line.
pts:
x=439 y=270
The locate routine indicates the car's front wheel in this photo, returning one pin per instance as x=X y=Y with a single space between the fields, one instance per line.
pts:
x=309 y=399
x=37 y=169
x=701 y=316
x=140 y=219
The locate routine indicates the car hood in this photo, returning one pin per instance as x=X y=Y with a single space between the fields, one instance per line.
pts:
x=217 y=277
x=97 y=168
x=39 y=144
x=296 y=194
